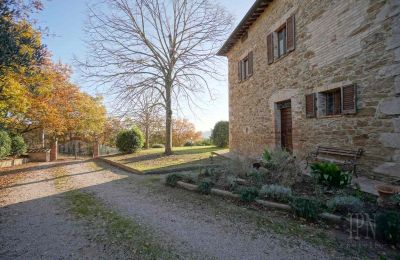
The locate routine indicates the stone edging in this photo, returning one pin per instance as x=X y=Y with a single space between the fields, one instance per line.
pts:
x=161 y=171
x=332 y=218
x=13 y=162
x=119 y=165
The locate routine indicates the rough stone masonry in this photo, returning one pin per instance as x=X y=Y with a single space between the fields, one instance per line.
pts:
x=337 y=43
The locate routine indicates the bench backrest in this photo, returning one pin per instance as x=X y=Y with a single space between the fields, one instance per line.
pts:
x=339 y=151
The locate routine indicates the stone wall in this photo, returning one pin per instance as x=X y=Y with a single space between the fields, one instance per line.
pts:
x=337 y=43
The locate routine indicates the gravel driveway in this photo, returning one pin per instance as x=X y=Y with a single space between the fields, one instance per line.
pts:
x=38 y=220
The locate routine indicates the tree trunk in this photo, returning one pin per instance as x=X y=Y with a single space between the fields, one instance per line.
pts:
x=147 y=133
x=168 y=123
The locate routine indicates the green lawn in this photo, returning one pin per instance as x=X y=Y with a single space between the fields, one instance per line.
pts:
x=154 y=159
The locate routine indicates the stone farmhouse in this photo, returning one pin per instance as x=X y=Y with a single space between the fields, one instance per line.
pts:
x=309 y=73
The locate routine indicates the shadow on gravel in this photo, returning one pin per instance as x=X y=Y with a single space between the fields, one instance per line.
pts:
x=47 y=180
x=205 y=225
x=41 y=166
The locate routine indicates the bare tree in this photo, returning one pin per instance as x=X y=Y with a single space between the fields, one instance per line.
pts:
x=162 y=47
x=147 y=115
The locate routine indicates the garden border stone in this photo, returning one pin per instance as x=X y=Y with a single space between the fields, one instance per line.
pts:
x=13 y=162
x=161 y=171
x=119 y=165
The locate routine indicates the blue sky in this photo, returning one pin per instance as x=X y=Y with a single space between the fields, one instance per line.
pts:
x=65 y=20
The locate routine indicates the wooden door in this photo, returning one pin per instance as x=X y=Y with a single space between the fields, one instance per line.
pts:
x=286 y=128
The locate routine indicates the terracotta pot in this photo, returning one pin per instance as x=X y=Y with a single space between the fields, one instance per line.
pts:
x=385 y=191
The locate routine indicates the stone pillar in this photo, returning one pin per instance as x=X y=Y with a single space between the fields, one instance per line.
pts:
x=96 y=149
x=54 y=151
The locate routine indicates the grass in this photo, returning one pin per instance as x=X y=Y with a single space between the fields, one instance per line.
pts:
x=135 y=241
x=154 y=159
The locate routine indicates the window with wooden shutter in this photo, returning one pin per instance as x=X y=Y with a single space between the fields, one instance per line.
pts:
x=250 y=61
x=290 y=33
x=333 y=102
x=310 y=105
x=349 y=102
x=239 y=64
x=270 y=48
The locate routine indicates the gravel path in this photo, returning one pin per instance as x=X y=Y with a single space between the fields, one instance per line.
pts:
x=196 y=233
x=35 y=221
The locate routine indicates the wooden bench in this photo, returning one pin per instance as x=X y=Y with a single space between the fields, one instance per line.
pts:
x=347 y=161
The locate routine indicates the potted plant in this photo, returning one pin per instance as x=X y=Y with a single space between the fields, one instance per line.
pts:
x=385 y=192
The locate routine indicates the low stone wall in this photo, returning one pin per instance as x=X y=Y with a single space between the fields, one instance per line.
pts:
x=39 y=155
x=13 y=162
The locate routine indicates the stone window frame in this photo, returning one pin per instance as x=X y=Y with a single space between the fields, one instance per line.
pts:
x=320 y=101
x=276 y=27
x=277 y=51
x=246 y=72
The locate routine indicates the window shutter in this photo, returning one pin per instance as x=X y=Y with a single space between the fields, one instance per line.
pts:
x=336 y=102
x=250 y=62
x=310 y=105
x=239 y=70
x=349 y=102
x=270 y=48
x=290 y=33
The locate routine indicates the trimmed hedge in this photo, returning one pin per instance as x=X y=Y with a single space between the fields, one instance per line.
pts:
x=5 y=144
x=130 y=141
x=220 y=134
x=18 y=146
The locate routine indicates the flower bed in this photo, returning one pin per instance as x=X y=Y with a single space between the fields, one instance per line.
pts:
x=279 y=184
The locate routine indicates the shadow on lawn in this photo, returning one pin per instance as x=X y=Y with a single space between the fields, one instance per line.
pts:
x=153 y=156
x=187 y=166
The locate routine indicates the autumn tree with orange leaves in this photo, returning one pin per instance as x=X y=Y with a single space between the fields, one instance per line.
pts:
x=184 y=131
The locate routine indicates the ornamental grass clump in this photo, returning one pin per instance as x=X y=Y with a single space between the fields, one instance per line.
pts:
x=395 y=199
x=205 y=186
x=388 y=227
x=248 y=194
x=276 y=192
x=190 y=177
x=231 y=183
x=256 y=178
x=307 y=208
x=284 y=167
x=173 y=178
x=345 y=204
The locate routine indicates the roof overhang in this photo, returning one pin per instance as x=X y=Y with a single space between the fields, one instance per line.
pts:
x=251 y=16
